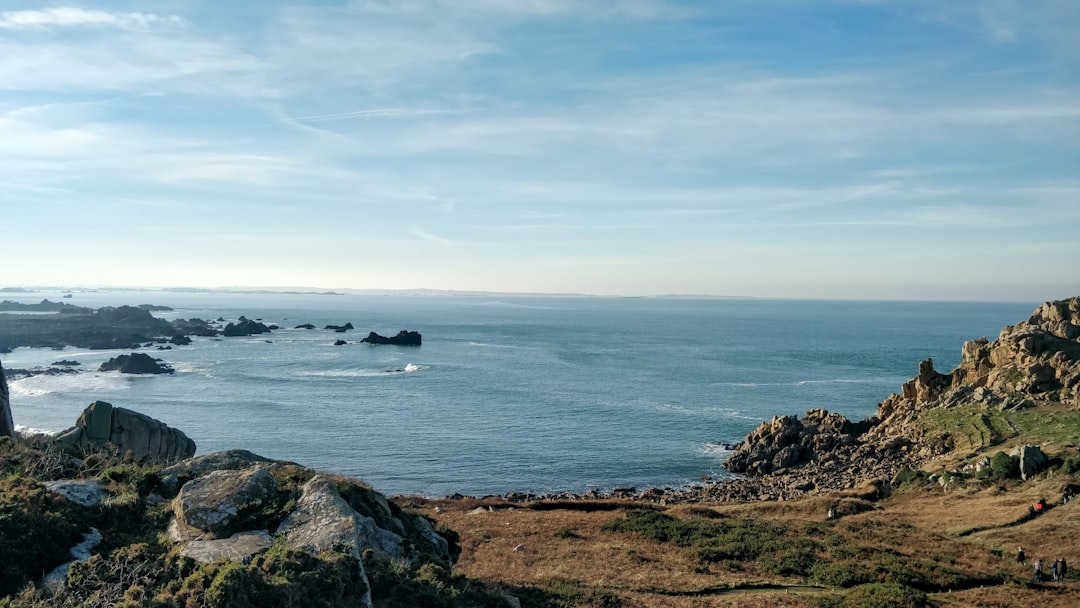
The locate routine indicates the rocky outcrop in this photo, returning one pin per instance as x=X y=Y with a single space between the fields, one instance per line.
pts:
x=340 y=328
x=225 y=493
x=1033 y=362
x=787 y=442
x=1032 y=460
x=245 y=327
x=109 y=327
x=136 y=363
x=101 y=424
x=403 y=338
x=7 y=425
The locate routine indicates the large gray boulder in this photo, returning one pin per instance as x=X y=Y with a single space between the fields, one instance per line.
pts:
x=101 y=424
x=214 y=502
x=7 y=425
x=324 y=521
x=1032 y=460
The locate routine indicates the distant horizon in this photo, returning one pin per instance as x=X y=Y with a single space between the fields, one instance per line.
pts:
x=889 y=150
x=421 y=291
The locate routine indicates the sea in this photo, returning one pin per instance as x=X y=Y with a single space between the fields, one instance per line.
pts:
x=508 y=393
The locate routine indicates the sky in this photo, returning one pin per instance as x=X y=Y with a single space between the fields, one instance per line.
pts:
x=849 y=149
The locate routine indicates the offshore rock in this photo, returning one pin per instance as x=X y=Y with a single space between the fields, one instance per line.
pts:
x=403 y=338
x=7 y=425
x=244 y=327
x=101 y=424
x=136 y=363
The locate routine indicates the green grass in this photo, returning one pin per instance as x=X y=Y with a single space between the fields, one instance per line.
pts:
x=968 y=428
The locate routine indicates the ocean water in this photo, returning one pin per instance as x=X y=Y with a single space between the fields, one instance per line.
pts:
x=509 y=393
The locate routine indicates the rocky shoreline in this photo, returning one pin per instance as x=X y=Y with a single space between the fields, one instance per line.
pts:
x=1035 y=362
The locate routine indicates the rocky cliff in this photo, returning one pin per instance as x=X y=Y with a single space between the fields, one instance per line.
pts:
x=7 y=425
x=1035 y=363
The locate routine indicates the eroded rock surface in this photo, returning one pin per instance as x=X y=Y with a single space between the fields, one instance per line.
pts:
x=147 y=439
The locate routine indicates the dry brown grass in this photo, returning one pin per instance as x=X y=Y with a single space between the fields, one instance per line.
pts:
x=974 y=531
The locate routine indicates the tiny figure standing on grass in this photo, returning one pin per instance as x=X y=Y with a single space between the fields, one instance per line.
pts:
x=1020 y=559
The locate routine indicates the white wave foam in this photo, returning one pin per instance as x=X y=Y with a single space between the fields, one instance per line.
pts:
x=35 y=386
x=28 y=431
x=717 y=449
x=364 y=373
x=831 y=381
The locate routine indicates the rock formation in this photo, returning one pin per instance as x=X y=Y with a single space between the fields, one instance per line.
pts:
x=7 y=425
x=101 y=424
x=135 y=363
x=245 y=327
x=1036 y=361
x=224 y=494
x=403 y=338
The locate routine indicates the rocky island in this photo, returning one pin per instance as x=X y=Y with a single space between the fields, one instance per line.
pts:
x=924 y=504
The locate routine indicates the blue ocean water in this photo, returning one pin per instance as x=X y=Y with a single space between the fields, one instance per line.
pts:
x=509 y=393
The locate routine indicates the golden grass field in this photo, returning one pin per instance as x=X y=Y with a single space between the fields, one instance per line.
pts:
x=973 y=530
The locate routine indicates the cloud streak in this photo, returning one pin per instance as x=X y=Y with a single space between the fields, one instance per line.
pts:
x=62 y=17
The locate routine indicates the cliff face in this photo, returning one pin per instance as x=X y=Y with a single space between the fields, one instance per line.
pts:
x=7 y=425
x=1035 y=363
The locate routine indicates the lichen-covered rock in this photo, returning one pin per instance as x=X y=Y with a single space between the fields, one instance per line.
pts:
x=146 y=438
x=7 y=425
x=324 y=521
x=239 y=547
x=85 y=492
x=173 y=475
x=213 y=503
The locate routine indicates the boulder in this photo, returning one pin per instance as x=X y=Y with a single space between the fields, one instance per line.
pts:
x=341 y=328
x=324 y=521
x=244 y=327
x=136 y=363
x=7 y=425
x=239 y=547
x=102 y=424
x=403 y=338
x=216 y=501
x=84 y=492
x=1032 y=459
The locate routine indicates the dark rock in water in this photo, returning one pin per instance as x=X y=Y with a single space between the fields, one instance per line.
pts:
x=44 y=306
x=305 y=326
x=180 y=340
x=67 y=362
x=194 y=327
x=340 y=328
x=244 y=327
x=340 y=343
x=136 y=363
x=7 y=425
x=153 y=307
x=403 y=338
x=146 y=438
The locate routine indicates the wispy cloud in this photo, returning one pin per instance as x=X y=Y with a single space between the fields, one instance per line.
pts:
x=78 y=17
x=428 y=236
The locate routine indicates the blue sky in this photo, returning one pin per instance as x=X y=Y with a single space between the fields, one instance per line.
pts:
x=894 y=149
